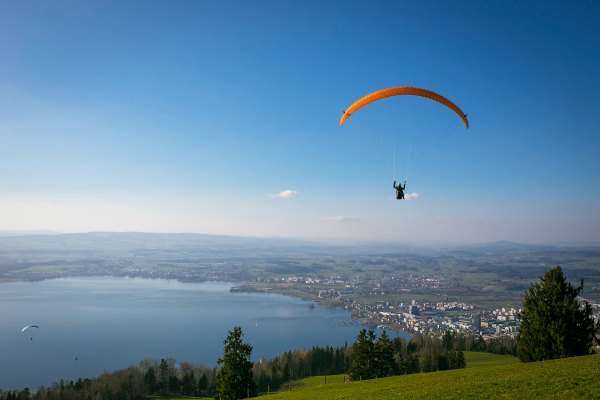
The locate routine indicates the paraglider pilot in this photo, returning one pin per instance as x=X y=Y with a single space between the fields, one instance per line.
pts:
x=399 y=190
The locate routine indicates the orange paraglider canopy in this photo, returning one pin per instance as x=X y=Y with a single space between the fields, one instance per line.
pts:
x=403 y=90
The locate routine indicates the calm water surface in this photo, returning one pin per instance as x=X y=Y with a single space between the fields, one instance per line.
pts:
x=91 y=325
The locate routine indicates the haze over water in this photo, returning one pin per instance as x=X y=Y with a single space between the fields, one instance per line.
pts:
x=91 y=325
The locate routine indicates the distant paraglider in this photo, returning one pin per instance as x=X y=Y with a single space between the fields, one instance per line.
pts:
x=29 y=327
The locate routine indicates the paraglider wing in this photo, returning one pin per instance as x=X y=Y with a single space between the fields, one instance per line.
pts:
x=403 y=90
x=29 y=326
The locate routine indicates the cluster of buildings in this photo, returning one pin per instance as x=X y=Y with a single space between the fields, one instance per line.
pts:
x=413 y=317
x=426 y=318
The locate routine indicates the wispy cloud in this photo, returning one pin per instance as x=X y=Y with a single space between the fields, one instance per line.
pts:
x=411 y=196
x=342 y=218
x=286 y=194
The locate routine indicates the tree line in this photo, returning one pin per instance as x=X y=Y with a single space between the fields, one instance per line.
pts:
x=378 y=357
x=167 y=377
x=271 y=375
x=150 y=377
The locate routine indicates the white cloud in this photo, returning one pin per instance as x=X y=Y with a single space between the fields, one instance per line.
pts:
x=411 y=196
x=342 y=218
x=286 y=194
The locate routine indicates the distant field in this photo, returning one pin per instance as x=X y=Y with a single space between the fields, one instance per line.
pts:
x=320 y=380
x=476 y=359
x=180 y=398
x=571 y=378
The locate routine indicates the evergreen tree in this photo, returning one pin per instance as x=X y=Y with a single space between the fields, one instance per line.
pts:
x=202 y=384
x=443 y=361
x=384 y=356
x=188 y=384
x=174 y=384
x=150 y=380
x=24 y=394
x=235 y=379
x=458 y=361
x=363 y=356
x=553 y=323
x=164 y=375
x=448 y=340
x=286 y=372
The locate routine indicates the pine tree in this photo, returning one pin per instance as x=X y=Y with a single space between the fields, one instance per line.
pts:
x=459 y=360
x=363 y=356
x=553 y=323
x=235 y=379
x=384 y=356
x=188 y=383
x=202 y=383
x=150 y=380
x=164 y=376
x=448 y=340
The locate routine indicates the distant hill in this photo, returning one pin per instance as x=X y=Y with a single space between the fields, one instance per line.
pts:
x=39 y=245
x=133 y=241
x=569 y=378
x=127 y=241
x=505 y=246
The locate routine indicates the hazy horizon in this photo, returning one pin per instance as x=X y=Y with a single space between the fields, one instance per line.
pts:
x=325 y=240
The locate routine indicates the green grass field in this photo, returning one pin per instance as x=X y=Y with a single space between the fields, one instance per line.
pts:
x=320 y=380
x=180 y=398
x=486 y=376
x=476 y=359
x=473 y=360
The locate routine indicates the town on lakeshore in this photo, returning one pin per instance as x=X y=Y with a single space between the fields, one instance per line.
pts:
x=476 y=289
x=415 y=316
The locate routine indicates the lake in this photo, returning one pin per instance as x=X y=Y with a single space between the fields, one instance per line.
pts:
x=95 y=324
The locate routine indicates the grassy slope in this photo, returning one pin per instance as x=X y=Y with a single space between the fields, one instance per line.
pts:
x=473 y=360
x=571 y=378
x=477 y=359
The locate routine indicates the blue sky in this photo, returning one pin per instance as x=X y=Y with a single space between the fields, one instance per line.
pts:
x=193 y=116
